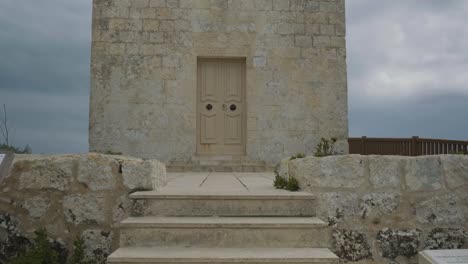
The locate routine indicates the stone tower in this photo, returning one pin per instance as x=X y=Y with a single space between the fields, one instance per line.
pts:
x=179 y=80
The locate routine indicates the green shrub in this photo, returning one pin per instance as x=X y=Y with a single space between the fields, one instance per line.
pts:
x=78 y=256
x=290 y=184
x=298 y=156
x=325 y=148
x=280 y=182
x=42 y=251
x=293 y=185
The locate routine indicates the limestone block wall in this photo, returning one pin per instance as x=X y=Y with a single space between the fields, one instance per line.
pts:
x=144 y=64
x=71 y=195
x=386 y=208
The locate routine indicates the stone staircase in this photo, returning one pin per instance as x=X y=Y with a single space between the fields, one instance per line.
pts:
x=255 y=226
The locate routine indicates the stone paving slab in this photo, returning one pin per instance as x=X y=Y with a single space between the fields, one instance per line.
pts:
x=221 y=182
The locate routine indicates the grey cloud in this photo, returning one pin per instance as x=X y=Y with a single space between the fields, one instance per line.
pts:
x=44 y=72
x=49 y=123
x=406 y=48
x=45 y=45
x=407 y=65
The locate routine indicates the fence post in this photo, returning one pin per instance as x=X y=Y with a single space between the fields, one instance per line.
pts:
x=363 y=146
x=465 y=149
x=414 y=146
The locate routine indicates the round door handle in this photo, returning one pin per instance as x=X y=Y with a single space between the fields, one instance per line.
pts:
x=233 y=107
x=209 y=107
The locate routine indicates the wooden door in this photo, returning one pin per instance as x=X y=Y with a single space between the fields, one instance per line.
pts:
x=221 y=107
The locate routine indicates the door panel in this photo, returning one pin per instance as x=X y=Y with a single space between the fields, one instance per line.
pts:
x=233 y=129
x=209 y=133
x=221 y=107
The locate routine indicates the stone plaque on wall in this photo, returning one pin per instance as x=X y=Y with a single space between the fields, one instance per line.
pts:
x=459 y=256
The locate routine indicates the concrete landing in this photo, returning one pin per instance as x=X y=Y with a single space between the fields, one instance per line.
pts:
x=221 y=182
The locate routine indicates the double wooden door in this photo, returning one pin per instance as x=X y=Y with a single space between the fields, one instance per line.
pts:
x=221 y=107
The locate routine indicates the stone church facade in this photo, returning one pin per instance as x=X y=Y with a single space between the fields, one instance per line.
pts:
x=180 y=79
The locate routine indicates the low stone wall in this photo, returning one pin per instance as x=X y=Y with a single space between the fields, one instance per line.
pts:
x=383 y=209
x=71 y=195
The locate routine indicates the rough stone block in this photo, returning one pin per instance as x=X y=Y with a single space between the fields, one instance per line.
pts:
x=351 y=245
x=378 y=204
x=12 y=241
x=424 y=173
x=97 y=171
x=333 y=172
x=339 y=206
x=399 y=242
x=97 y=244
x=386 y=171
x=37 y=206
x=143 y=175
x=43 y=172
x=446 y=238
x=455 y=170
x=84 y=208
x=440 y=210
x=122 y=208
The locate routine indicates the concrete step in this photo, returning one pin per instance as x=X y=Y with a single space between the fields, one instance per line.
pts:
x=140 y=255
x=224 y=232
x=277 y=203
x=219 y=165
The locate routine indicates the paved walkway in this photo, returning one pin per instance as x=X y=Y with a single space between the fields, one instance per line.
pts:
x=221 y=182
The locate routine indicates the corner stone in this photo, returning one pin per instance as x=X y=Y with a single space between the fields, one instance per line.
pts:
x=143 y=175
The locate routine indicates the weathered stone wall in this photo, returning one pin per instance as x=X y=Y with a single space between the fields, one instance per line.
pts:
x=383 y=208
x=71 y=195
x=144 y=55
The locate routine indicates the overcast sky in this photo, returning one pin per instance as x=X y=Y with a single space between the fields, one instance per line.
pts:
x=407 y=70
